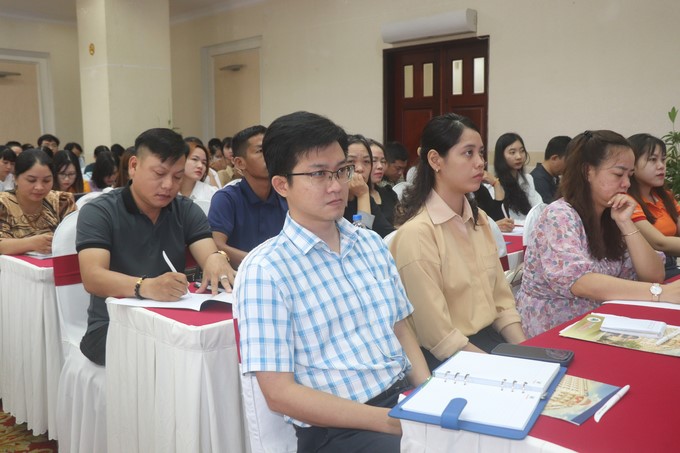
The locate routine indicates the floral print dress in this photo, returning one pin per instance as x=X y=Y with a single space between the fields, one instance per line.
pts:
x=557 y=255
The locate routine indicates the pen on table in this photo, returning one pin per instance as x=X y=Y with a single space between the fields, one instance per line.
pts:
x=613 y=400
x=664 y=339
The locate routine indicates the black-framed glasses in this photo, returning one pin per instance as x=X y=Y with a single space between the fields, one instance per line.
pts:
x=324 y=177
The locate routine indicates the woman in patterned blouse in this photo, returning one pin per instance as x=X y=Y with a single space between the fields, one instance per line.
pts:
x=30 y=213
x=585 y=248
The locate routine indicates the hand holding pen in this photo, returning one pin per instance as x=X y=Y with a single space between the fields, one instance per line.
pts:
x=169 y=287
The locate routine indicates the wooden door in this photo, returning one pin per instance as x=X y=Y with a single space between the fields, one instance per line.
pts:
x=428 y=80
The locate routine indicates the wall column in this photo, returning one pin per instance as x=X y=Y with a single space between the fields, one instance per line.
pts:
x=124 y=50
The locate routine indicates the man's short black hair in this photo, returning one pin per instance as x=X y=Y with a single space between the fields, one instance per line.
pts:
x=7 y=154
x=557 y=146
x=13 y=143
x=395 y=151
x=166 y=144
x=48 y=137
x=239 y=144
x=296 y=134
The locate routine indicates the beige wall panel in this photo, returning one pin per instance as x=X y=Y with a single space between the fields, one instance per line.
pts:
x=237 y=93
x=60 y=41
x=556 y=67
x=20 y=112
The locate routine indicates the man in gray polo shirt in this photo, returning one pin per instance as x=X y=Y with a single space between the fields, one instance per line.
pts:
x=121 y=237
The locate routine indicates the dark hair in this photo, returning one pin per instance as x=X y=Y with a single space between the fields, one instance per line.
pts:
x=166 y=144
x=226 y=142
x=191 y=140
x=30 y=157
x=644 y=146
x=62 y=159
x=395 y=151
x=585 y=151
x=207 y=158
x=557 y=146
x=293 y=136
x=123 y=171
x=441 y=134
x=104 y=166
x=515 y=197
x=117 y=150
x=48 y=137
x=214 y=145
x=8 y=154
x=377 y=143
x=358 y=139
x=239 y=144
x=101 y=149
x=70 y=146
x=11 y=143
x=26 y=146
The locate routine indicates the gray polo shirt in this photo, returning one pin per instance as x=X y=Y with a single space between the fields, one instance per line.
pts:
x=113 y=222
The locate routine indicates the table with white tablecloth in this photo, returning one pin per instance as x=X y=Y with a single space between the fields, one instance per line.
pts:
x=30 y=342
x=172 y=381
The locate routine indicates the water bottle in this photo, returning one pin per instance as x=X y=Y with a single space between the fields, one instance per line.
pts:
x=356 y=221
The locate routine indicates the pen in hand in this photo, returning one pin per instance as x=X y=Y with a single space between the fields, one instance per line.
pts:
x=169 y=263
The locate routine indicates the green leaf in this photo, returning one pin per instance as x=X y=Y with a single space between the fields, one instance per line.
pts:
x=673 y=114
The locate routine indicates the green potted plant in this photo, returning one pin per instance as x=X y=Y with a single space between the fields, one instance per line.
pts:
x=672 y=140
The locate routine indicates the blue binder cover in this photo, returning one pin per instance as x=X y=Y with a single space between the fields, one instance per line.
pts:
x=449 y=419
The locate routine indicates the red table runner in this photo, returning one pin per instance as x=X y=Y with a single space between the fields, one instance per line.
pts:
x=646 y=419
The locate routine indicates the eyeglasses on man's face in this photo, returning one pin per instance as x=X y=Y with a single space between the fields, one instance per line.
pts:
x=325 y=177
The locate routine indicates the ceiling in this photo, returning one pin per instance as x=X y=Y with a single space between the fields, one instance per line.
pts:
x=65 y=10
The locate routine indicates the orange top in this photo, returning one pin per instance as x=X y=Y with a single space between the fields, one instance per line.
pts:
x=664 y=222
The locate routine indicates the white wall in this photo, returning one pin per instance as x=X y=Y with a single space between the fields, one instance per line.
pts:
x=556 y=67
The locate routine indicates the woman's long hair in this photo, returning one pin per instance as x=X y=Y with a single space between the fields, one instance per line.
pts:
x=515 y=197
x=644 y=146
x=104 y=166
x=588 y=151
x=60 y=162
x=441 y=134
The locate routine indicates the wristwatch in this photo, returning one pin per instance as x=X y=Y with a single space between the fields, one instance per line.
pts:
x=656 y=291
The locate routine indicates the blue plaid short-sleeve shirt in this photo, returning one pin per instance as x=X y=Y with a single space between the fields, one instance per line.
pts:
x=326 y=317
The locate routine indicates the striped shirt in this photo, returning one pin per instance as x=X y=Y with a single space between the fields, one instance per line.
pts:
x=326 y=317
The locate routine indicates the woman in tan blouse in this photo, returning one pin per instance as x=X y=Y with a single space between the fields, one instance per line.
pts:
x=445 y=251
x=30 y=213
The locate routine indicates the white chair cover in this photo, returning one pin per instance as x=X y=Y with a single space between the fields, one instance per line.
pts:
x=84 y=200
x=531 y=221
x=204 y=205
x=267 y=430
x=389 y=237
x=498 y=237
x=400 y=187
x=81 y=397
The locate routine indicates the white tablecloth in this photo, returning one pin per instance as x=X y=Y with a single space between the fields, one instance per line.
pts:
x=425 y=438
x=30 y=344
x=171 y=387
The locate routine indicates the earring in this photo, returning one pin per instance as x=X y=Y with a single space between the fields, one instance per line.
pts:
x=436 y=170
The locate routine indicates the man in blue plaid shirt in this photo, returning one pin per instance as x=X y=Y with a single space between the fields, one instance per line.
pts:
x=321 y=307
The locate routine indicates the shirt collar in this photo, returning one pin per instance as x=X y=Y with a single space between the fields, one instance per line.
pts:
x=252 y=197
x=306 y=241
x=440 y=212
x=129 y=201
